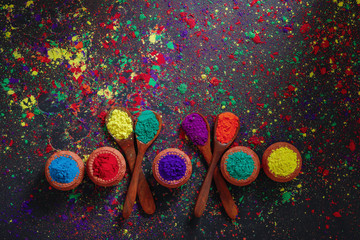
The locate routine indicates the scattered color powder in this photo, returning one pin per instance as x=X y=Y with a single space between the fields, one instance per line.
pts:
x=226 y=127
x=282 y=161
x=195 y=128
x=63 y=169
x=105 y=166
x=172 y=167
x=240 y=165
x=147 y=126
x=120 y=124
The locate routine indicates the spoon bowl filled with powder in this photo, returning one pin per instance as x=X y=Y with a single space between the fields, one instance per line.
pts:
x=64 y=170
x=240 y=166
x=282 y=162
x=106 y=166
x=119 y=123
x=172 y=168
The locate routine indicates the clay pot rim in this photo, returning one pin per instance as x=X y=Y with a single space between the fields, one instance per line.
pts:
x=233 y=180
x=267 y=153
x=76 y=181
x=121 y=162
x=174 y=183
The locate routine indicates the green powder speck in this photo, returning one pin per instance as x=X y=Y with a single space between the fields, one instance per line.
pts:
x=240 y=165
x=286 y=196
x=170 y=45
x=146 y=127
x=182 y=88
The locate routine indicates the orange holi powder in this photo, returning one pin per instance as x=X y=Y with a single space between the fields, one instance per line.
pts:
x=226 y=127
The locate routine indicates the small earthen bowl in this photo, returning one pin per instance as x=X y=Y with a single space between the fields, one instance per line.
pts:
x=121 y=163
x=173 y=183
x=265 y=163
x=235 y=181
x=77 y=180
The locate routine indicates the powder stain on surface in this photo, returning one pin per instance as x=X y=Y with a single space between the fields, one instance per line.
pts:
x=226 y=128
x=286 y=196
x=28 y=102
x=240 y=165
x=63 y=170
x=105 y=166
x=282 y=161
x=182 y=88
x=147 y=126
x=119 y=124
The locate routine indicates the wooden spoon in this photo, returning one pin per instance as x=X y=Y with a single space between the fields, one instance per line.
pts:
x=225 y=195
x=219 y=149
x=127 y=145
x=133 y=188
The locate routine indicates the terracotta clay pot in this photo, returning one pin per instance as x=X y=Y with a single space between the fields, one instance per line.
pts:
x=235 y=181
x=173 y=183
x=77 y=180
x=121 y=163
x=265 y=163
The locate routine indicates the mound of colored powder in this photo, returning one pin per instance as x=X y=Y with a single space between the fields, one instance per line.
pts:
x=195 y=128
x=282 y=161
x=146 y=127
x=63 y=169
x=240 y=165
x=120 y=124
x=226 y=128
x=105 y=166
x=172 y=167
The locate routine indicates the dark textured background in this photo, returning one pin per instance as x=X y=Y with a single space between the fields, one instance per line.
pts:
x=289 y=70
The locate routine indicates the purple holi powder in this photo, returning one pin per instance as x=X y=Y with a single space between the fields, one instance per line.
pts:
x=195 y=128
x=172 y=167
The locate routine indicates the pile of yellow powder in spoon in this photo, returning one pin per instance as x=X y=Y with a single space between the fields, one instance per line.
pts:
x=119 y=124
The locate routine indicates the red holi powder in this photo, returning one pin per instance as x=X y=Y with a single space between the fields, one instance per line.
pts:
x=352 y=146
x=256 y=140
x=105 y=166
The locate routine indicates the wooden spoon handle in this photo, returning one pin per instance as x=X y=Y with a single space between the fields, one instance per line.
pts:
x=204 y=192
x=131 y=194
x=146 y=198
x=130 y=155
x=205 y=187
x=225 y=195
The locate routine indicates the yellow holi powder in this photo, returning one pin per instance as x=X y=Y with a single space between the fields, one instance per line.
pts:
x=28 y=102
x=29 y=3
x=58 y=53
x=120 y=124
x=282 y=161
x=76 y=60
x=152 y=38
x=16 y=54
x=107 y=93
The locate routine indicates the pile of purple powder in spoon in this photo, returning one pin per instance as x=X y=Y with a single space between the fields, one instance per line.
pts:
x=195 y=128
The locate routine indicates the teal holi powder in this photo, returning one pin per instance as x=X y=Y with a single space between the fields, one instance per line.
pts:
x=240 y=165
x=63 y=169
x=146 y=127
